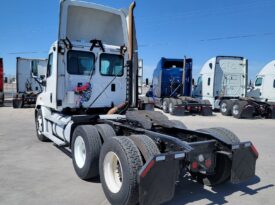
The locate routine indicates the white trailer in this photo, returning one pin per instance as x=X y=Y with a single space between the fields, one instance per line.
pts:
x=90 y=106
x=28 y=73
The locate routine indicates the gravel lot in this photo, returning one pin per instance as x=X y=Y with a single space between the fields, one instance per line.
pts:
x=32 y=172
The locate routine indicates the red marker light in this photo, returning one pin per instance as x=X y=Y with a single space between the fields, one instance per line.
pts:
x=194 y=165
x=147 y=169
x=208 y=163
x=254 y=150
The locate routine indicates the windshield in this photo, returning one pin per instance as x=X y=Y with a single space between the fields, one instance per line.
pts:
x=258 y=82
x=173 y=64
x=199 y=81
x=111 y=64
x=80 y=62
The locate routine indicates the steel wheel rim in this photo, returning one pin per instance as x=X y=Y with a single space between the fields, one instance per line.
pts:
x=235 y=109
x=224 y=107
x=79 y=151
x=170 y=107
x=39 y=123
x=164 y=105
x=113 y=173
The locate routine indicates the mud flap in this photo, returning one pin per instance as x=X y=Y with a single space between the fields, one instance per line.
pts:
x=158 y=177
x=243 y=162
x=273 y=112
x=247 y=112
x=179 y=110
x=206 y=111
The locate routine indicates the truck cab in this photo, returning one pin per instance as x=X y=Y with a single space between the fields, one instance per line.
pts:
x=168 y=78
x=264 y=86
x=88 y=59
x=222 y=77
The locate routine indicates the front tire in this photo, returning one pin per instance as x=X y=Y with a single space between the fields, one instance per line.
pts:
x=39 y=126
x=120 y=162
x=86 y=145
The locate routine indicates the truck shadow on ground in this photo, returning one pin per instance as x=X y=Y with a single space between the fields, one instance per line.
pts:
x=189 y=191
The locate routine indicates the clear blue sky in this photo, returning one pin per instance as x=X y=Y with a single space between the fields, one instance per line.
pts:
x=199 y=29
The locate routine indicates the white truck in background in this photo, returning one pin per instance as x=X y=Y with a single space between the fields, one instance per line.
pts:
x=28 y=73
x=264 y=86
x=222 y=78
x=223 y=81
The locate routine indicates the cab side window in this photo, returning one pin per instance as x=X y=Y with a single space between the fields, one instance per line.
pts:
x=274 y=84
x=50 y=65
x=258 y=82
x=209 y=81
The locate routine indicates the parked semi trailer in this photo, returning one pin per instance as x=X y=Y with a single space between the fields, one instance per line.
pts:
x=2 y=98
x=90 y=104
x=28 y=72
x=172 y=87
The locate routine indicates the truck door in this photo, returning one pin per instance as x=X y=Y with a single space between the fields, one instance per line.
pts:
x=207 y=85
x=49 y=97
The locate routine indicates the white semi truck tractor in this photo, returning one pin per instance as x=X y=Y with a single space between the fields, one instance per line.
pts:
x=90 y=106
x=29 y=72
x=223 y=81
x=222 y=78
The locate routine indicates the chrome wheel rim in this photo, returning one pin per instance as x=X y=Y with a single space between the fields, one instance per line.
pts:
x=170 y=107
x=164 y=105
x=235 y=109
x=223 y=107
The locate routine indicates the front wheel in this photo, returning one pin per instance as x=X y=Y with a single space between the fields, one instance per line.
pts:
x=119 y=164
x=39 y=126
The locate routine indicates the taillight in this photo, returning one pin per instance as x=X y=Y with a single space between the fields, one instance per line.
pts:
x=254 y=150
x=194 y=165
x=208 y=163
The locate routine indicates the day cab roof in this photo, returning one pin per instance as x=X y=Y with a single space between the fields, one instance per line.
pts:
x=85 y=21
